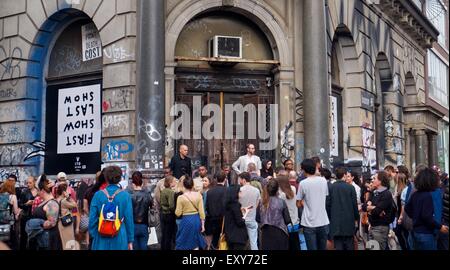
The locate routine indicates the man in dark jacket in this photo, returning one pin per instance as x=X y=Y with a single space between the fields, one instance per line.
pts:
x=379 y=207
x=343 y=212
x=180 y=164
x=215 y=209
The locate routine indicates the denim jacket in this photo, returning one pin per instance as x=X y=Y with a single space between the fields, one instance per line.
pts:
x=34 y=228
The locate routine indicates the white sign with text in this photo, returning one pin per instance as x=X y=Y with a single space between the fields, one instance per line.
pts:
x=334 y=150
x=79 y=122
x=91 y=43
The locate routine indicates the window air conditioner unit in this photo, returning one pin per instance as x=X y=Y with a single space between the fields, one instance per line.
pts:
x=225 y=47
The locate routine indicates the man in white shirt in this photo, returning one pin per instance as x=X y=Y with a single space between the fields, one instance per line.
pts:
x=249 y=197
x=241 y=165
x=311 y=194
x=198 y=181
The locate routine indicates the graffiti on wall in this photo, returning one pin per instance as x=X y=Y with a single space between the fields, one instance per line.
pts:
x=117 y=53
x=299 y=105
x=287 y=141
x=169 y=140
x=21 y=172
x=70 y=61
x=12 y=134
x=116 y=124
x=392 y=134
x=299 y=155
x=125 y=172
x=10 y=68
x=18 y=154
x=118 y=99
x=369 y=152
x=151 y=159
x=150 y=130
x=116 y=150
x=12 y=111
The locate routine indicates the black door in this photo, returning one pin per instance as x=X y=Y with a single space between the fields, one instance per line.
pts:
x=74 y=146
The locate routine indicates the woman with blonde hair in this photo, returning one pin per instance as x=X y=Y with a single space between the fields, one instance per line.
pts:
x=190 y=209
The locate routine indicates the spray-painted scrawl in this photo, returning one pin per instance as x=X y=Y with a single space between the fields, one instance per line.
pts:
x=287 y=141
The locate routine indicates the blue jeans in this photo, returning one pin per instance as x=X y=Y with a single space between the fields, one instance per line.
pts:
x=316 y=238
x=140 y=237
x=424 y=241
x=301 y=236
x=252 y=230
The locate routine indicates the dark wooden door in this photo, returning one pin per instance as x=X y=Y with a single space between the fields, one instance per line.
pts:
x=223 y=88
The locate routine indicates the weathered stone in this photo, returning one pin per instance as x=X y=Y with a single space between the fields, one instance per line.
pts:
x=50 y=7
x=114 y=30
x=26 y=28
x=11 y=7
x=36 y=12
x=91 y=6
x=17 y=132
x=105 y=12
x=17 y=91
x=121 y=74
x=120 y=51
x=118 y=124
x=118 y=99
x=11 y=26
x=126 y=6
x=131 y=24
x=17 y=111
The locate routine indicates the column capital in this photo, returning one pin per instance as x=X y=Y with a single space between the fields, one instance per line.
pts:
x=419 y=132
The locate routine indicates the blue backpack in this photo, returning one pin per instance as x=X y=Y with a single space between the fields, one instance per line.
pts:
x=109 y=222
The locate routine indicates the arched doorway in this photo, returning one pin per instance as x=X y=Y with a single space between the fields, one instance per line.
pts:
x=383 y=117
x=72 y=106
x=336 y=104
x=198 y=84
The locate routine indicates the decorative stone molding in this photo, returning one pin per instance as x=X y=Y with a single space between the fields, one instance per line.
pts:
x=412 y=20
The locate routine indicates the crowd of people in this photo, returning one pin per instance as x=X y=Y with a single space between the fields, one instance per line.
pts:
x=248 y=205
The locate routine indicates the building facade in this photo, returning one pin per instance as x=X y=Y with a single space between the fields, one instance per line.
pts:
x=87 y=83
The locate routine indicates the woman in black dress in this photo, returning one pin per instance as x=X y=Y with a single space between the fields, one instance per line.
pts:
x=234 y=223
x=25 y=203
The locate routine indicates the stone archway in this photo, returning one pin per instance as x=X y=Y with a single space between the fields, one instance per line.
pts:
x=357 y=133
x=265 y=18
x=269 y=22
x=389 y=116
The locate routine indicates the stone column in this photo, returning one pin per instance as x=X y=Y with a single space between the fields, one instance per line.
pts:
x=432 y=149
x=421 y=147
x=150 y=98
x=412 y=148
x=315 y=78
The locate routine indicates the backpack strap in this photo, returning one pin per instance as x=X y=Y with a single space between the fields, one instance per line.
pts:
x=111 y=198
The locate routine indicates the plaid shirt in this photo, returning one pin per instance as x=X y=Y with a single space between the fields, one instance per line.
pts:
x=37 y=201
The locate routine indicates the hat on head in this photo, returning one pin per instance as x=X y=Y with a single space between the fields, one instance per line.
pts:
x=61 y=175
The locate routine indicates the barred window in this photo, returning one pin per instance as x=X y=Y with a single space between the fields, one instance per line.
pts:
x=437 y=79
x=418 y=3
x=436 y=14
